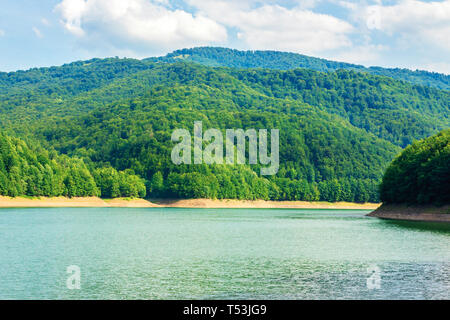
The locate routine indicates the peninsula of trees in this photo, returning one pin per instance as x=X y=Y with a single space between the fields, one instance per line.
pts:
x=420 y=174
x=416 y=184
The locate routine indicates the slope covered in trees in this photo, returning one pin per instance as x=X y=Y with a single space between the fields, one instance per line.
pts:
x=338 y=129
x=24 y=171
x=420 y=174
x=322 y=157
x=393 y=110
x=225 y=57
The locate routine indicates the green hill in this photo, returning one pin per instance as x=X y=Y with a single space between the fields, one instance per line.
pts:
x=317 y=150
x=420 y=174
x=338 y=129
x=216 y=56
x=392 y=110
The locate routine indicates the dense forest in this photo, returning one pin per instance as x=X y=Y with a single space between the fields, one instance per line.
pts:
x=318 y=151
x=225 y=57
x=420 y=174
x=392 y=110
x=24 y=171
x=113 y=119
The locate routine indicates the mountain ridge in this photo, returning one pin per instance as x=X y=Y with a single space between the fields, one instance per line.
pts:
x=339 y=129
x=389 y=108
x=220 y=56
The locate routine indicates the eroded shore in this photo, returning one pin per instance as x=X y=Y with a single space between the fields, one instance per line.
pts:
x=413 y=213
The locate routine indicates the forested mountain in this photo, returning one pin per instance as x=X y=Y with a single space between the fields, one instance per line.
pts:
x=393 y=110
x=318 y=151
x=338 y=129
x=225 y=57
x=40 y=92
x=420 y=174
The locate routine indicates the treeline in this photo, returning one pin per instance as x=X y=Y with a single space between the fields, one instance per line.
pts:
x=216 y=56
x=243 y=183
x=69 y=79
x=420 y=174
x=25 y=172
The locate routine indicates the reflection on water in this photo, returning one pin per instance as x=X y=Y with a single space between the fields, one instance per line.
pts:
x=163 y=253
x=419 y=225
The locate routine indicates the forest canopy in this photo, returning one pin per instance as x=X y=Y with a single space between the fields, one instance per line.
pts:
x=216 y=56
x=421 y=173
x=109 y=121
x=40 y=173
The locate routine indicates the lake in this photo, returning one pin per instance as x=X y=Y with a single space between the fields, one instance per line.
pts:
x=174 y=253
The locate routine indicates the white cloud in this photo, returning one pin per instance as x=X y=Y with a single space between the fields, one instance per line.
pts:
x=366 y=54
x=37 y=32
x=277 y=27
x=413 y=21
x=45 y=22
x=307 y=4
x=370 y=32
x=143 y=24
x=348 y=5
x=146 y=24
x=2 y=33
x=441 y=67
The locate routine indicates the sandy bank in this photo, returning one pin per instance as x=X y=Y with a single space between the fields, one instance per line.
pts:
x=19 y=202
x=413 y=213
x=232 y=203
x=45 y=202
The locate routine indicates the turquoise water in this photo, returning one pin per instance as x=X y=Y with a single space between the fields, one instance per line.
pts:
x=154 y=253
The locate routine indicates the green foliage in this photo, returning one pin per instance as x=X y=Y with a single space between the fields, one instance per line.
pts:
x=38 y=173
x=135 y=134
x=338 y=129
x=215 y=57
x=27 y=172
x=421 y=173
x=156 y=186
x=392 y=110
x=113 y=183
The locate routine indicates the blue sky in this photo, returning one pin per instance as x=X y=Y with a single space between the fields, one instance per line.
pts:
x=393 y=33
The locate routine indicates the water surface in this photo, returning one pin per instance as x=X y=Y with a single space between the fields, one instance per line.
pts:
x=153 y=253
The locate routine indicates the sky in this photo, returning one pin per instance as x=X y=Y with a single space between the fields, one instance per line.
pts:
x=390 y=33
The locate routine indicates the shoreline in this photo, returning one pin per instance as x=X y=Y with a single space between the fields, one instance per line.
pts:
x=402 y=212
x=262 y=204
x=85 y=202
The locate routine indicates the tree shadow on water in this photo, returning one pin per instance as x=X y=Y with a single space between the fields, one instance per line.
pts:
x=438 y=227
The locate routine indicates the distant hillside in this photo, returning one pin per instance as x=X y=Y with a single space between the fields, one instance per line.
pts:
x=338 y=129
x=322 y=157
x=392 y=110
x=215 y=56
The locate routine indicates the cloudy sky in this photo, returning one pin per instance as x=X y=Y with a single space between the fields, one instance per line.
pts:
x=394 y=33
